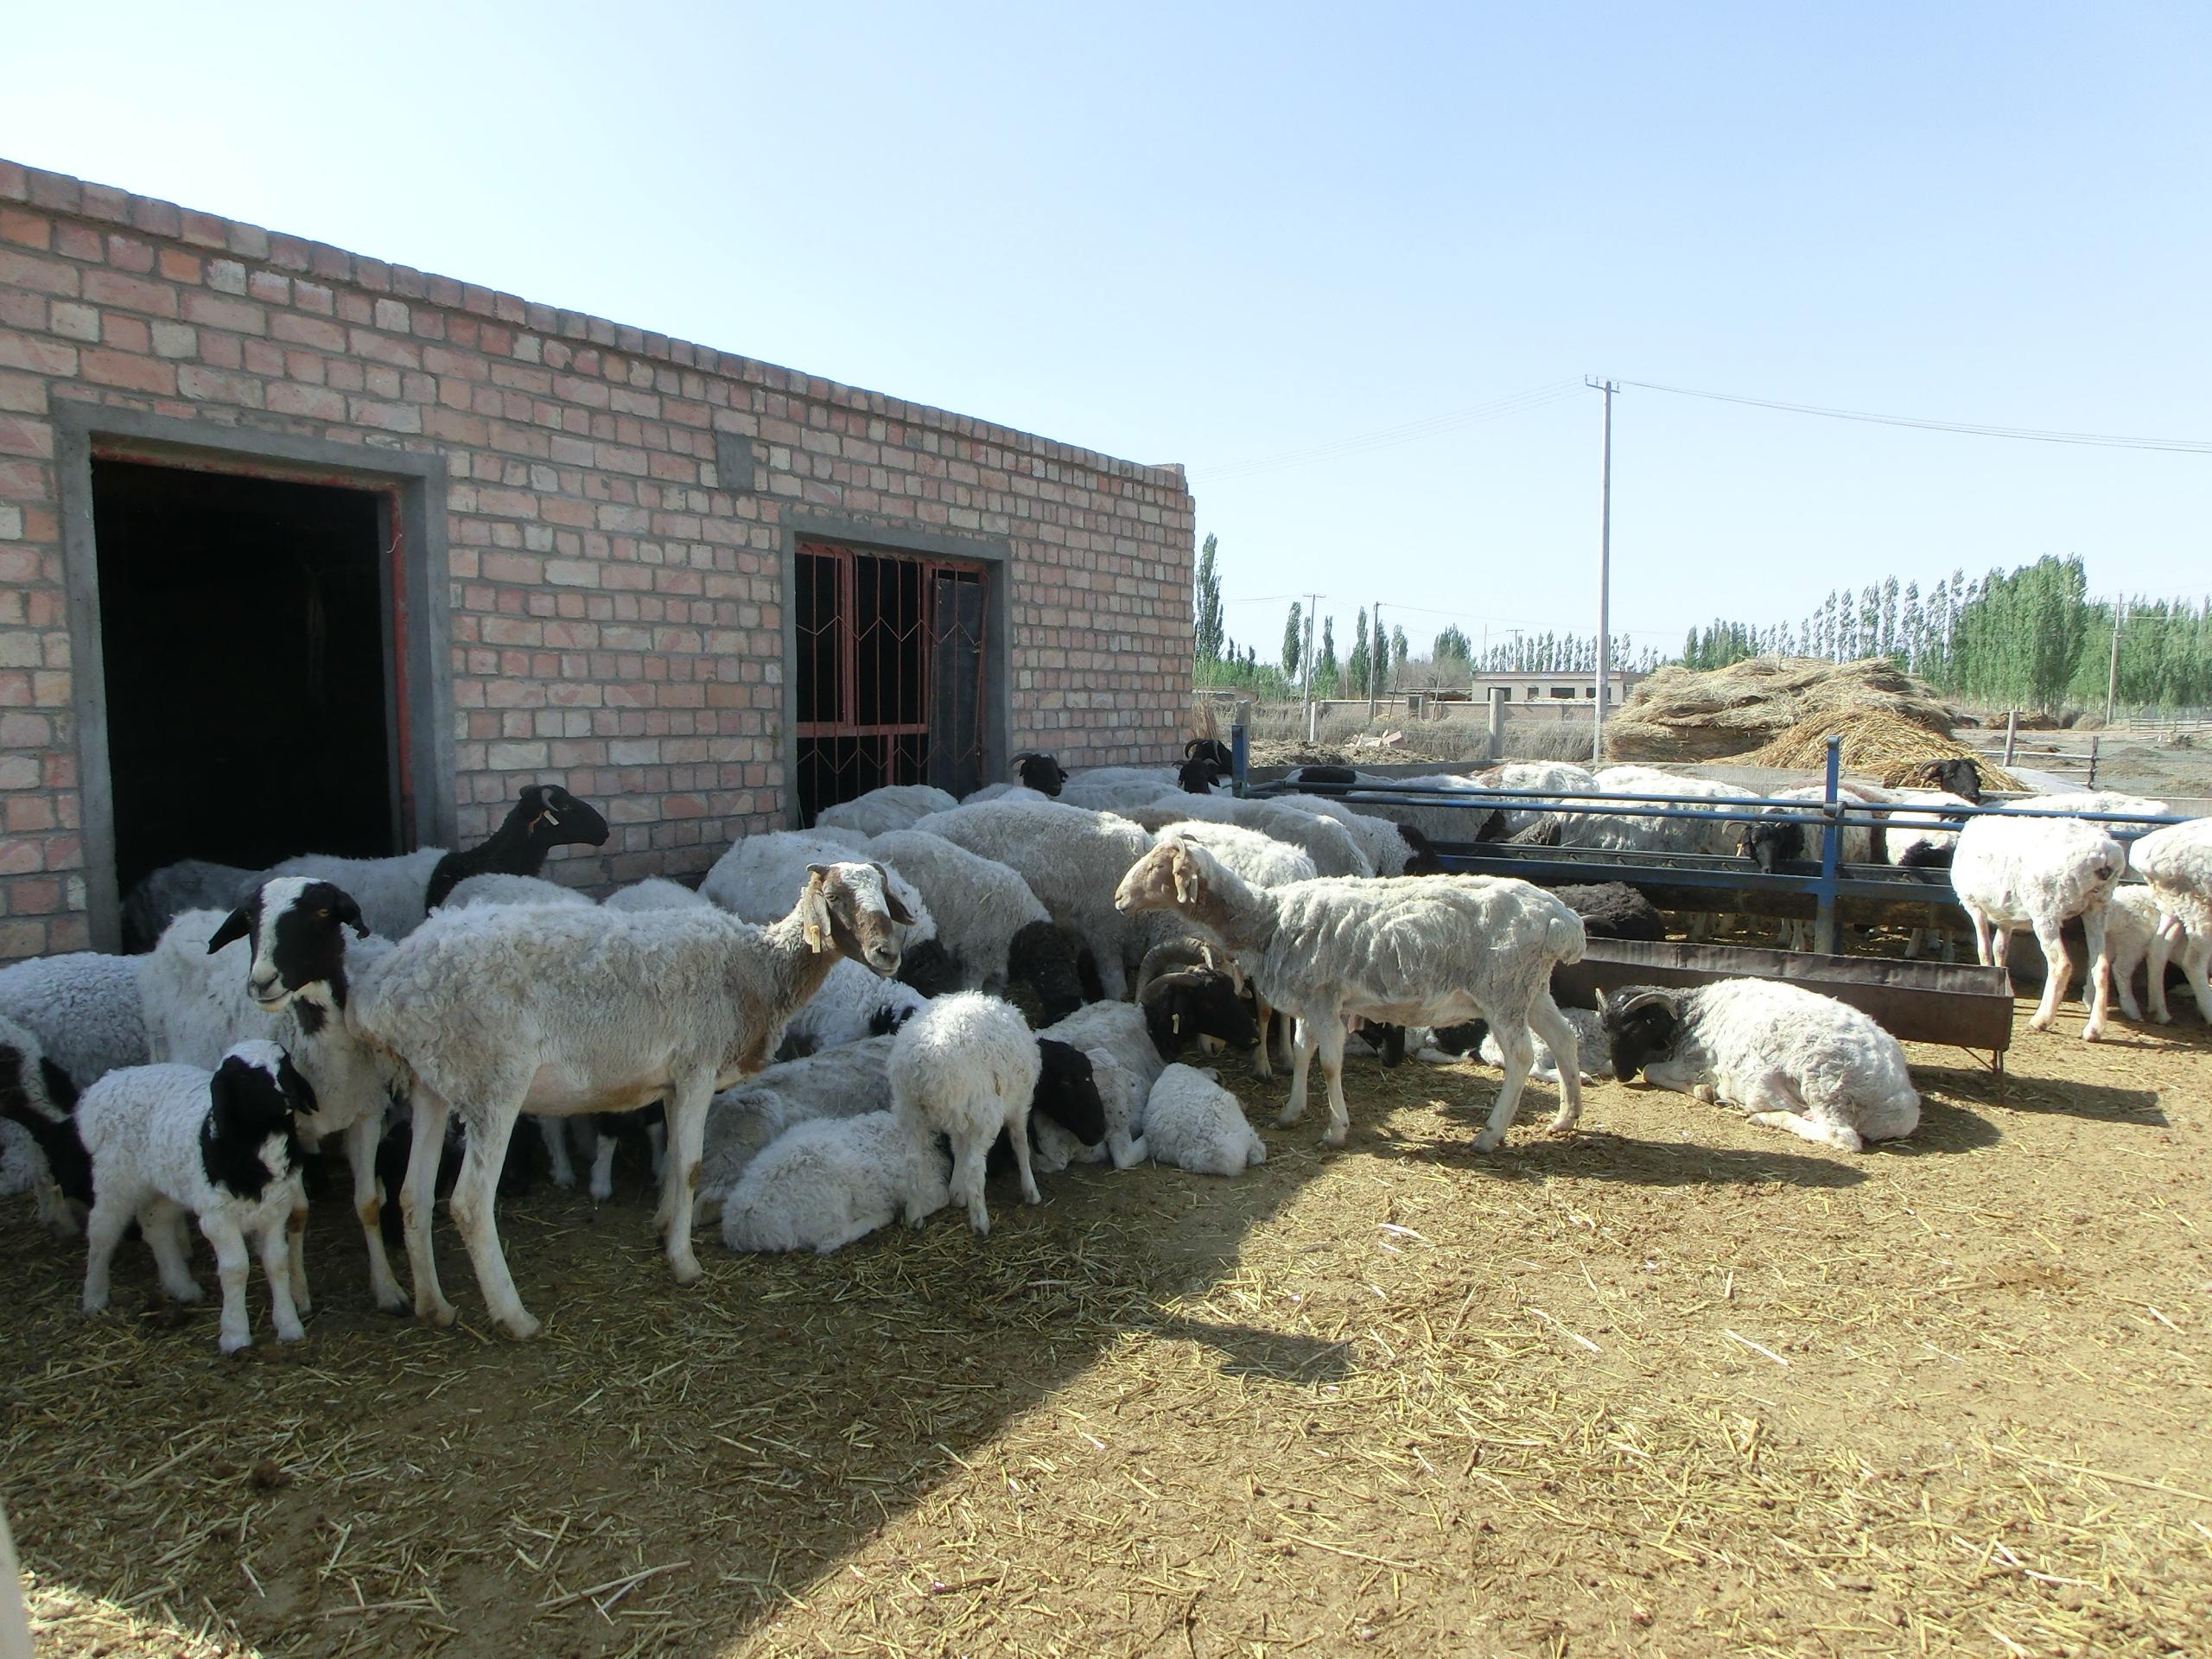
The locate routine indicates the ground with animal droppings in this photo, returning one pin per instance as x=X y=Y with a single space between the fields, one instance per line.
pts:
x=1676 y=1386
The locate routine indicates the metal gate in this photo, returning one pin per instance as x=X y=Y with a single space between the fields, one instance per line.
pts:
x=890 y=678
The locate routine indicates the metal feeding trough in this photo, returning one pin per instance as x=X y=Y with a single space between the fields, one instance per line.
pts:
x=1914 y=1001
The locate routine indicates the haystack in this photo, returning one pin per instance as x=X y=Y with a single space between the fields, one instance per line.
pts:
x=1875 y=744
x=1681 y=714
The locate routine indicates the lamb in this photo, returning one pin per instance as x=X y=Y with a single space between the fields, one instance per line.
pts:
x=1776 y=837
x=2042 y=872
x=1121 y=1100
x=996 y=929
x=1139 y=1041
x=1067 y=1116
x=755 y=878
x=2132 y=922
x=38 y=1104
x=167 y=1141
x=202 y=997
x=2142 y=813
x=1032 y=769
x=2176 y=860
x=161 y=896
x=1793 y=1059
x=1431 y=950
x=500 y=1010
x=895 y=807
x=1629 y=832
x=1192 y=1122
x=741 y=1122
x=967 y=1067
x=1070 y=860
x=821 y=1185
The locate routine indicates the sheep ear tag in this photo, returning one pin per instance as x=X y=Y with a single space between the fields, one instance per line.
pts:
x=1180 y=864
x=1175 y=1024
x=814 y=913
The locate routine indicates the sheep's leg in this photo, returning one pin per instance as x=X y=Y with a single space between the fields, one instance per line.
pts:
x=104 y=1229
x=2058 y=969
x=1017 y=1130
x=602 y=1165
x=1565 y=1046
x=471 y=1206
x=687 y=1139
x=55 y=1213
x=2162 y=945
x=276 y=1266
x=1980 y=938
x=2197 y=964
x=968 y=1183
x=2001 y=948
x=416 y=1199
x=1301 y=1062
x=361 y=1138
x=555 y=1132
x=2123 y=987
x=1265 y=1016
x=295 y=1250
x=162 y=1222
x=657 y=1139
x=1330 y=1034
x=1517 y=1051
x=2098 y=992
x=232 y=1266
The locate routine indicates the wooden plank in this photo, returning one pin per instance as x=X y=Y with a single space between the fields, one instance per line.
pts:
x=1914 y=1001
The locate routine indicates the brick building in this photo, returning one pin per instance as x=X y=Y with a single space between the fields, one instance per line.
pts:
x=301 y=549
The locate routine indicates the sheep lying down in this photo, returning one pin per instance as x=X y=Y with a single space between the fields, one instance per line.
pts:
x=1194 y=1123
x=1453 y=1043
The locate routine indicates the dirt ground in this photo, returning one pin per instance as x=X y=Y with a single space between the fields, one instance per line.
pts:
x=1674 y=1386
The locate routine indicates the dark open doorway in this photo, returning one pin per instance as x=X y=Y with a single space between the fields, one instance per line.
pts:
x=890 y=679
x=244 y=625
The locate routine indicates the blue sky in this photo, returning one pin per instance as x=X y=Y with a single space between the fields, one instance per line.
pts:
x=1224 y=236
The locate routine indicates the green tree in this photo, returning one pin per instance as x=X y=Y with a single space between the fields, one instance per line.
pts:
x=1361 y=662
x=1206 y=625
x=1294 y=640
x=1453 y=643
x=1326 y=671
x=1397 y=651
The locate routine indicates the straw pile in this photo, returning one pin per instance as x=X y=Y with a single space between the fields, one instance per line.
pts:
x=1681 y=714
x=1875 y=744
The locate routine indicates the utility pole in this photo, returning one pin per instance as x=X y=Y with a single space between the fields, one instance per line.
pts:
x=1313 y=604
x=2112 y=673
x=1375 y=641
x=1604 y=569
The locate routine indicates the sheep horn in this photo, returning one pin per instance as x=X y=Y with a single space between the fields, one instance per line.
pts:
x=1621 y=1008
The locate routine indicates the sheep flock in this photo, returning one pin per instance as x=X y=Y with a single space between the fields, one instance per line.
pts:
x=821 y=1041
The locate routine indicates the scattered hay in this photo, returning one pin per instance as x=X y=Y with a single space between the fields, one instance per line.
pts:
x=1877 y=744
x=1681 y=714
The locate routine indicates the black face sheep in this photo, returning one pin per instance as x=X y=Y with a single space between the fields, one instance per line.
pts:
x=1410 y=950
x=1038 y=772
x=1613 y=910
x=1067 y=1113
x=1957 y=776
x=1195 y=1002
x=1198 y=776
x=169 y=1141
x=967 y=1067
x=500 y=1010
x=1214 y=752
x=38 y=1096
x=1791 y=1059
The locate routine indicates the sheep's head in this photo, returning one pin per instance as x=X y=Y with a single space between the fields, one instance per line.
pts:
x=1198 y=775
x=1770 y=841
x=1041 y=955
x=550 y=817
x=926 y=966
x=1643 y=1024
x=297 y=929
x=1067 y=1092
x=255 y=1095
x=1196 y=1002
x=1422 y=856
x=850 y=909
x=1171 y=876
x=1957 y=775
x=1040 y=771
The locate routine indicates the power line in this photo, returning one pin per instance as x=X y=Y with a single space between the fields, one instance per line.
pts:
x=1517 y=402
x=2033 y=434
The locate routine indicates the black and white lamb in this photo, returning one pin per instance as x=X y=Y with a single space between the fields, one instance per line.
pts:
x=994 y=927
x=502 y=1010
x=84 y=1012
x=2176 y=860
x=1193 y=1123
x=1431 y=949
x=2041 y=873
x=38 y=1105
x=894 y=806
x=1070 y=859
x=172 y=1140
x=1791 y=1059
x=821 y=1184
x=966 y=1067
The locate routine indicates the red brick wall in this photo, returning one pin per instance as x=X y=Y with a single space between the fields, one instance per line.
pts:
x=616 y=615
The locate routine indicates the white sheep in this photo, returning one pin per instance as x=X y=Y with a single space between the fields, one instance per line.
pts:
x=966 y=1067
x=2009 y=871
x=172 y=1140
x=655 y=893
x=894 y=806
x=495 y=887
x=2141 y=811
x=500 y=1010
x=1260 y=859
x=820 y=1185
x=852 y=1003
x=1393 y=848
x=1070 y=858
x=757 y=879
x=1192 y=1122
x=1327 y=842
x=39 y=1146
x=2132 y=922
x=1431 y=949
x=1792 y=1058
x=2176 y=860
x=996 y=928
x=844 y=1082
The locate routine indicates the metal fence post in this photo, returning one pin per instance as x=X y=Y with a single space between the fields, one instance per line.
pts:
x=1240 y=756
x=2011 y=734
x=2093 y=763
x=1831 y=851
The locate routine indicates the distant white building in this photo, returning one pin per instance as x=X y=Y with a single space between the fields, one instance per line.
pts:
x=1521 y=687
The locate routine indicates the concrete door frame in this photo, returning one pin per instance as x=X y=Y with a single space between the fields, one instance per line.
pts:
x=420 y=698
x=995 y=554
